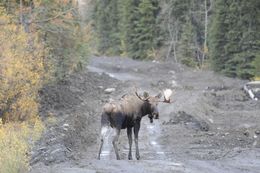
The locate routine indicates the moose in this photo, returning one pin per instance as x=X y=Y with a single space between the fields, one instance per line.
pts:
x=127 y=113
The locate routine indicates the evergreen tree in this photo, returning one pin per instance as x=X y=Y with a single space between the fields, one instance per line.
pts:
x=218 y=36
x=128 y=17
x=126 y=26
x=113 y=26
x=235 y=38
x=101 y=25
x=106 y=24
x=145 y=31
x=186 y=46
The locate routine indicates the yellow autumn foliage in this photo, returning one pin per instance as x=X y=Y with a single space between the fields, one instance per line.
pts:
x=257 y=78
x=16 y=140
x=22 y=74
x=22 y=65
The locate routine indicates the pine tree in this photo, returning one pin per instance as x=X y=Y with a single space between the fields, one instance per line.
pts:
x=113 y=26
x=186 y=46
x=218 y=37
x=127 y=24
x=145 y=31
x=235 y=38
x=106 y=23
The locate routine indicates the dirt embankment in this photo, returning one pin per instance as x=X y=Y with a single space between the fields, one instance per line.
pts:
x=71 y=111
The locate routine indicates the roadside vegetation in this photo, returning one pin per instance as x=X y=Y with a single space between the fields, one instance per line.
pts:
x=41 y=42
x=16 y=141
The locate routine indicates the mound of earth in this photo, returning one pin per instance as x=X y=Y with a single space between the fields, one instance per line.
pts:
x=188 y=120
x=71 y=111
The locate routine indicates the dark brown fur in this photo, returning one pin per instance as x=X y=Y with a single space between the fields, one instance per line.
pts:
x=127 y=114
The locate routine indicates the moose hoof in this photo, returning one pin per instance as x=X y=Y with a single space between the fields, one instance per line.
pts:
x=138 y=157
x=130 y=158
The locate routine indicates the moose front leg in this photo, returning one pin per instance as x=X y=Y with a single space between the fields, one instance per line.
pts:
x=136 y=131
x=100 y=147
x=115 y=143
x=130 y=140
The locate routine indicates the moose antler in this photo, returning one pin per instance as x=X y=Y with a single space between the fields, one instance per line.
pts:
x=166 y=94
x=143 y=99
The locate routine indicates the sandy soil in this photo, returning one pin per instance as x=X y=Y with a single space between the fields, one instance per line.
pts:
x=212 y=126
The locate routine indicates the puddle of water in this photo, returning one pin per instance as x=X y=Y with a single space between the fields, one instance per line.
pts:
x=160 y=152
x=153 y=142
x=150 y=126
x=176 y=164
x=105 y=153
x=111 y=75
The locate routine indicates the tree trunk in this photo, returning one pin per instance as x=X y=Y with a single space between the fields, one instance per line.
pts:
x=21 y=12
x=205 y=46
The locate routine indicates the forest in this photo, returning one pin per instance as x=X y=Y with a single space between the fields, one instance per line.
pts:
x=45 y=41
x=221 y=35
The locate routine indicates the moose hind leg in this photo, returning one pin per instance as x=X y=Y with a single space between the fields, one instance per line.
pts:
x=115 y=143
x=130 y=140
x=104 y=130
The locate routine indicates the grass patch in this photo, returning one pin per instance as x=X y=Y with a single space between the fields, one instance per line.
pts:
x=257 y=78
x=16 y=140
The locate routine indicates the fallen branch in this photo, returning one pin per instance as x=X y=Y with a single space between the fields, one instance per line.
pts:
x=250 y=92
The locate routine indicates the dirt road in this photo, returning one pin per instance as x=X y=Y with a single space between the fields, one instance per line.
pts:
x=212 y=126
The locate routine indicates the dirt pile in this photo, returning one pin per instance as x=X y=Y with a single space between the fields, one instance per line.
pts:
x=188 y=121
x=71 y=110
x=217 y=122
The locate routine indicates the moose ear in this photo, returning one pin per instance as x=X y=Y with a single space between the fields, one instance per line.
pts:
x=146 y=95
x=159 y=95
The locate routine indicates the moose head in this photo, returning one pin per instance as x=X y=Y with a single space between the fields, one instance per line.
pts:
x=151 y=103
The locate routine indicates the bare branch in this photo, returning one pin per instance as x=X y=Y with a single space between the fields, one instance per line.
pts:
x=39 y=21
x=210 y=7
x=52 y=18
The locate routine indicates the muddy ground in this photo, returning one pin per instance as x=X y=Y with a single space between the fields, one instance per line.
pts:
x=212 y=125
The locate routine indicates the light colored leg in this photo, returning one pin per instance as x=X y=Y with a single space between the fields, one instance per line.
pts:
x=100 y=148
x=104 y=130
x=115 y=142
